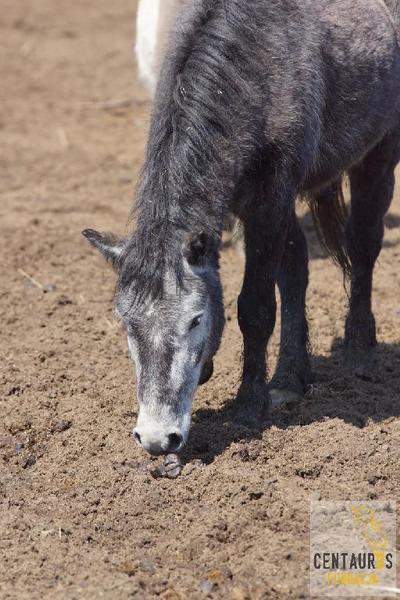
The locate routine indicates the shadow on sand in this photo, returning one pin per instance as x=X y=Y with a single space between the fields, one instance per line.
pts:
x=335 y=393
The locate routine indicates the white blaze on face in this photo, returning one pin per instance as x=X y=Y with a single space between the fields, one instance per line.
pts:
x=169 y=410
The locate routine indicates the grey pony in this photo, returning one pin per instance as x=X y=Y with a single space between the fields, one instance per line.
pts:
x=257 y=103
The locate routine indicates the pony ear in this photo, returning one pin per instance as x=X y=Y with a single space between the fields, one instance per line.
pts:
x=109 y=245
x=197 y=248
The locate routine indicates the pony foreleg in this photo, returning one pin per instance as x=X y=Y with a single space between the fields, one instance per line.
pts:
x=293 y=372
x=265 y=232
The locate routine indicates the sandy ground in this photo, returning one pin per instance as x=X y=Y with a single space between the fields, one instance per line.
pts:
x=81 y=518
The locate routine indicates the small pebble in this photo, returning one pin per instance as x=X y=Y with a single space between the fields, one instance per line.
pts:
x=49 y=287
x=156 y=472
x=19 y=446
x=29 y=461
x=206 y=586
x=171 y=468
x=194 y=464
x=239 y=593
x=256 y=495
x=61 y=426
x=216 y=576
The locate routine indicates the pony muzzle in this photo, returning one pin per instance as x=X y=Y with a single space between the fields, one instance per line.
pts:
x=163 y=432
x=159 y=442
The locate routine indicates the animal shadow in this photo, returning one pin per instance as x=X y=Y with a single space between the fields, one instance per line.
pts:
x=335 y=393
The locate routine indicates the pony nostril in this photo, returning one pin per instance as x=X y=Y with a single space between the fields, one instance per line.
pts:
x=137 y=437
x=174 y=441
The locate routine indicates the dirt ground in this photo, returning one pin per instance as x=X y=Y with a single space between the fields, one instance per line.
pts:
x=81 y=518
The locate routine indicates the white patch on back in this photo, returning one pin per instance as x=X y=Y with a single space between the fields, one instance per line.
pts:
x=153 y=24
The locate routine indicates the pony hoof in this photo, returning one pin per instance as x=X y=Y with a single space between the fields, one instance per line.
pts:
x=360 y=366
x=287 y=397
x=363 y=372
x=251 y=406
x=250 y=420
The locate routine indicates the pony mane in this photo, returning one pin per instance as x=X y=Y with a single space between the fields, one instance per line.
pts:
x=195 y=130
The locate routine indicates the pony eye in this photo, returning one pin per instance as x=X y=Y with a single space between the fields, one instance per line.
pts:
x=195 y=323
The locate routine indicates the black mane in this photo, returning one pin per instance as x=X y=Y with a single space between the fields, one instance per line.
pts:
x=192 y=152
